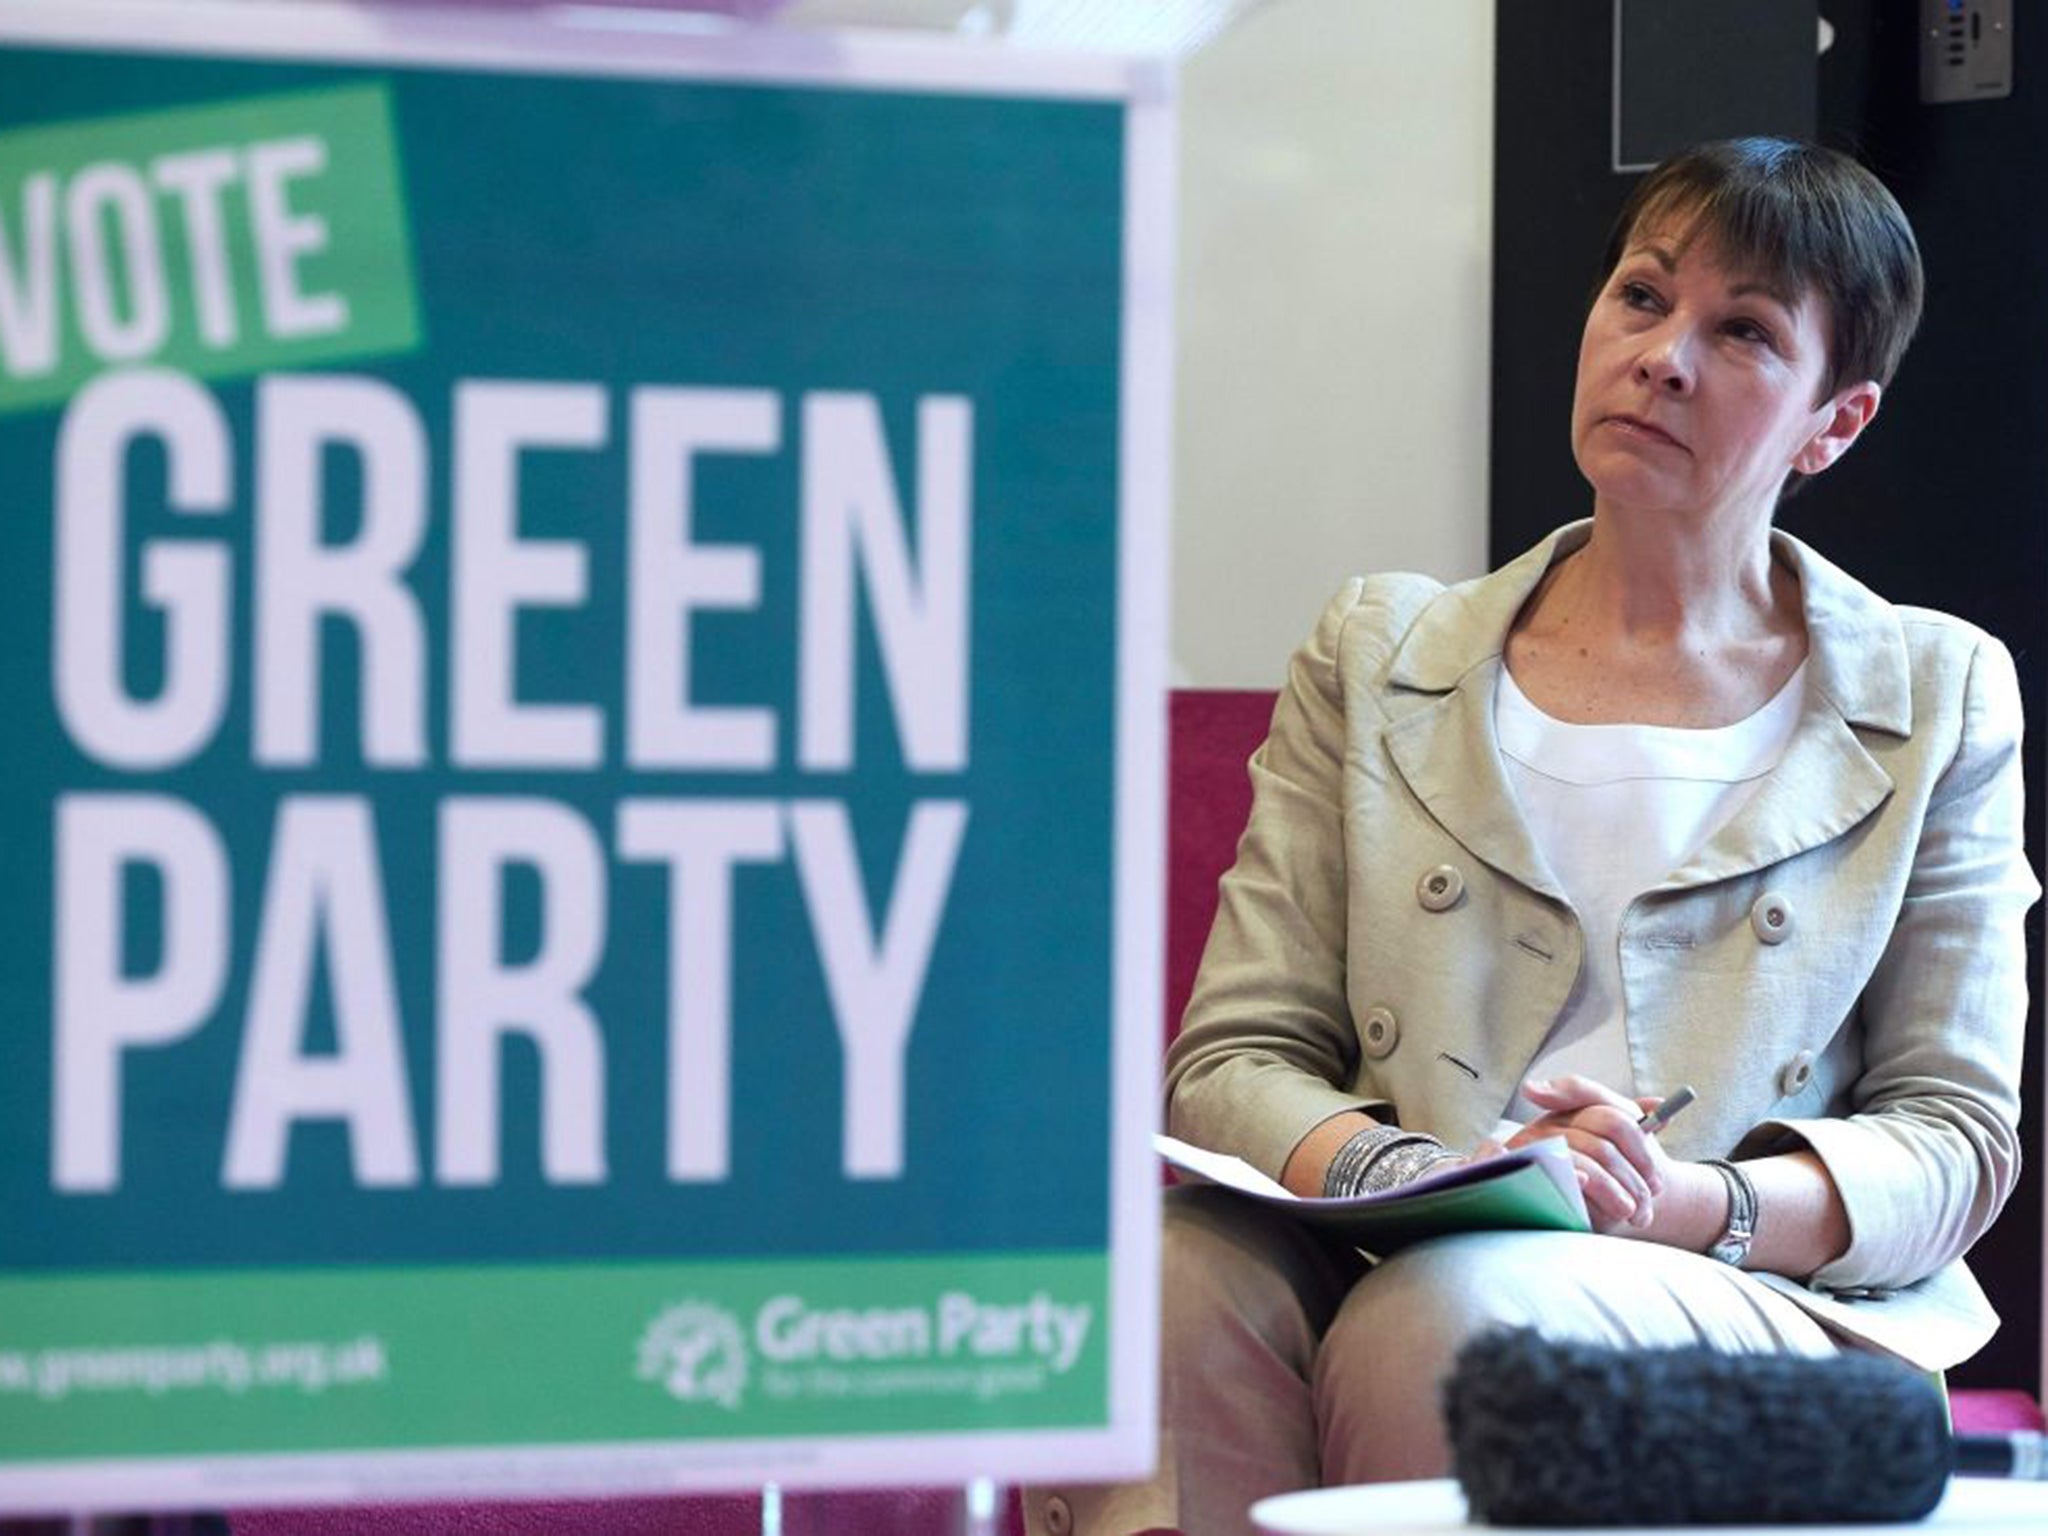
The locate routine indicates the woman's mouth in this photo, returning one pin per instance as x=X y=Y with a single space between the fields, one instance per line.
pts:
x=1635 y=426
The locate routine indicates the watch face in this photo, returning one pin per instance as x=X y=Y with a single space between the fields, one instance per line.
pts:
x=1731 y=1249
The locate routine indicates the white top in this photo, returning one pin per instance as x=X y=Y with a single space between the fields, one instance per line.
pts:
x=1614 y=809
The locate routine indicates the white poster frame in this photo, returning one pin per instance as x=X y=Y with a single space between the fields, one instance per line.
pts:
x=589 y=40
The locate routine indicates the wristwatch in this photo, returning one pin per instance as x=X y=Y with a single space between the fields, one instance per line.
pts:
x=1732 y=1246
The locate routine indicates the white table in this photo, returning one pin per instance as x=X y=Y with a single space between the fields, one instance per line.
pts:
x=1981 y=1506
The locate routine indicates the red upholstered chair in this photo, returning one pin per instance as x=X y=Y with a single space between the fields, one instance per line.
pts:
x=907 y=1512
x=1213 y=732
x=1989 y=1412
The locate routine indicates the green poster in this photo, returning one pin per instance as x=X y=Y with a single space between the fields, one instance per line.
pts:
x=585 y=688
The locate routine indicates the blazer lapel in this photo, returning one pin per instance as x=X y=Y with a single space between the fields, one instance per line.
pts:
x=1827 y=781
x=1440 y=731
x=1446 y=750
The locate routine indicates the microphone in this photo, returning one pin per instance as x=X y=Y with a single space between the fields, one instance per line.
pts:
x=1550 y=1433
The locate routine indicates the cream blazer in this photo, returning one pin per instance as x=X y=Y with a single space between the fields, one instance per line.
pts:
x=1841 y=967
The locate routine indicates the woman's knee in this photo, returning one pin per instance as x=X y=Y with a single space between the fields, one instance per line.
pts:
x=1599 y=1290
x=1437 y=1294
x=1378 y=1378
x=1378 y=1375
x=1227 y=1263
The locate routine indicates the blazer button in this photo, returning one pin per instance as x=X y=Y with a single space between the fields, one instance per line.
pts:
x=1795 y=1074
x=1771 y=917
x=1059 y=1516
x=1439 y=889
x=1381 y=1032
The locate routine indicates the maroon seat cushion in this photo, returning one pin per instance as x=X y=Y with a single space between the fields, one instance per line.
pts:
x=895 y=1512
x=1994 y=1412
x=725 y=1516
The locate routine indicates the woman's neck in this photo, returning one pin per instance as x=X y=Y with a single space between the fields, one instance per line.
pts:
x=1644 y=583
x=1639 y=625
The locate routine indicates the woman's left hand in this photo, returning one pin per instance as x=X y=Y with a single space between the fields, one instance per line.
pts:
x=1621 y=1169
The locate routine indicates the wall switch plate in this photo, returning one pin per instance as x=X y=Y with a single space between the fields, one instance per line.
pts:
x=1965 y=50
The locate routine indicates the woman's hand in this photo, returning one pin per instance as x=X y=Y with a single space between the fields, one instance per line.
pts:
x=1621 y=1170
x=1488 y=1148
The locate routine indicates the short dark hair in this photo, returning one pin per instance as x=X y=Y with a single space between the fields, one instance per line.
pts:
x=1801 y=219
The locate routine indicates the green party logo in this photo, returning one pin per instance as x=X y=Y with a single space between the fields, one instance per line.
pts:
x=695 y=1351
x=958 y=1344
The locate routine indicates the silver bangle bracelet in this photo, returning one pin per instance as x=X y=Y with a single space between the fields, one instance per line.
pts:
x=1405 y=1164
x=1352 y=1159
x=1380 y=1158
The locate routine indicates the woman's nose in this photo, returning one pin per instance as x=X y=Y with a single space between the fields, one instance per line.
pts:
x=1665 y=363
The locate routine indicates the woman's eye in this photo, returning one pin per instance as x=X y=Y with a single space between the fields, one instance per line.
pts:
x=1638 y=296
x=1749 y=330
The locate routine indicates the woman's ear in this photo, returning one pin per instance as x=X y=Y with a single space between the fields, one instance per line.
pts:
x=1847 y=415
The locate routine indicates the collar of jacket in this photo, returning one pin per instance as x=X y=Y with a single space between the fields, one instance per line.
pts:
x=1827 y=781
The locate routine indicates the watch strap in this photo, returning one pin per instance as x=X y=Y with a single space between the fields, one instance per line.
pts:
x=1732 y=1246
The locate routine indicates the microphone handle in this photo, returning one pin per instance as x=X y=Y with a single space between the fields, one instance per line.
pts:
x=2021 y=1454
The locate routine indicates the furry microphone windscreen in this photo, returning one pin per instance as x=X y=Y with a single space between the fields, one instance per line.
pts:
x=1547 y=1433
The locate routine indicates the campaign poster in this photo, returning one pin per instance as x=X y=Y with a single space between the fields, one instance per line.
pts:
x=583 y=674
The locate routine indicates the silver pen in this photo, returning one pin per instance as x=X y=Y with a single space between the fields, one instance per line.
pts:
x=1666 y=1109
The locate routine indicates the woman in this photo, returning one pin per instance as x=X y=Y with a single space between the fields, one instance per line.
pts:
x=1669 y=799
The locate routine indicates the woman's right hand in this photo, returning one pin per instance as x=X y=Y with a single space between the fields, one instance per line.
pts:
x=1621 y=1169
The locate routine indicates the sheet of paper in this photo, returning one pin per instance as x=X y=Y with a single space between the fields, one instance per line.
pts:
x=1532 y=1188
x=1220 y=1168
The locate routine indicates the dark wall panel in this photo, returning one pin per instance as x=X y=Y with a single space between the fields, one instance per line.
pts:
x=1706 y=69
x=1945 y=502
